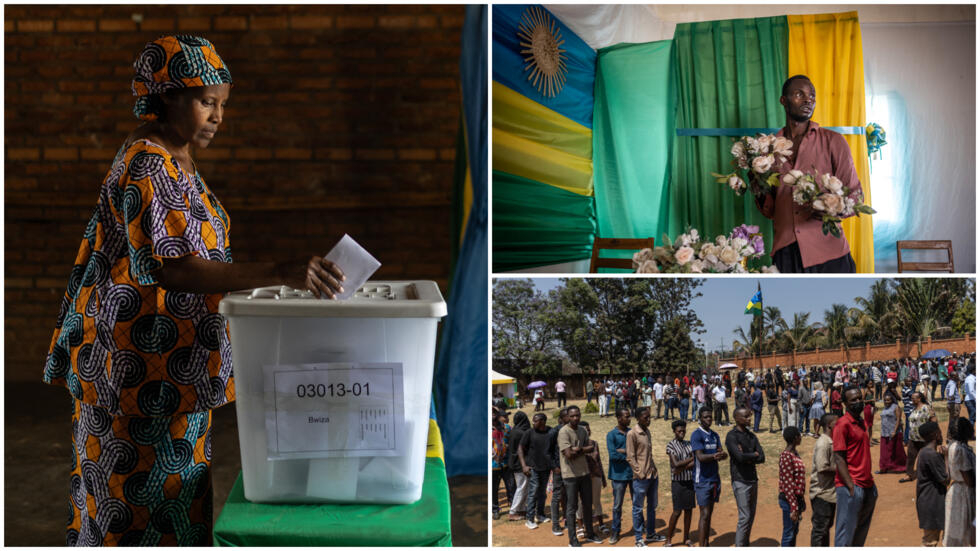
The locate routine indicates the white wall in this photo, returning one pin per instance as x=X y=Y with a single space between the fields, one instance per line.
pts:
x=927 y=70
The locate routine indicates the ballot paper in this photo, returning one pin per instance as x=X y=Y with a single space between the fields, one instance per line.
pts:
x=358 y=265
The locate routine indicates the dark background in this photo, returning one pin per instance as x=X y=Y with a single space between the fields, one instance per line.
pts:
x=343 y=119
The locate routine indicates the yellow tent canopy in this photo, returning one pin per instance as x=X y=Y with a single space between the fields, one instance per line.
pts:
x=499 y=379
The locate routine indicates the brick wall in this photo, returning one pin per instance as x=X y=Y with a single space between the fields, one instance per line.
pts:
x=343 y=119
x=866 y=353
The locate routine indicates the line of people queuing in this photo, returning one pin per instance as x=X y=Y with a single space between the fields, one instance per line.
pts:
x=841 y=479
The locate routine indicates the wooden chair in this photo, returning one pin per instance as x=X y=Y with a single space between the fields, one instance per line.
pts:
x=926 y=266
x=616 y=244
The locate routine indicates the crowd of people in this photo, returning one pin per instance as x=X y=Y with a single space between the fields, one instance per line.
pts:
x=837 y=405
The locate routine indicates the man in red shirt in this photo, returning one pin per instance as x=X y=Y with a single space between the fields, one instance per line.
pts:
x=799 y=244
x=855 y=487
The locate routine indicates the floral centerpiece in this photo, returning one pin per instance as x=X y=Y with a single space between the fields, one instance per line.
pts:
x=754 y=160
x=827 y=196
x=690 y=254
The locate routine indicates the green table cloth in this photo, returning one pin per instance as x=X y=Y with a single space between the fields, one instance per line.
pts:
x=425 y=522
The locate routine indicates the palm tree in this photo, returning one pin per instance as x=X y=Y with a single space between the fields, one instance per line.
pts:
x=750 y=343
x=836 y=323
x=801 y=334
x=773 y=322
x=924 y=305
x=875 y=316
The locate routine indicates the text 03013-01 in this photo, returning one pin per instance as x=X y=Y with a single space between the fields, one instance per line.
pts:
x=333 y=390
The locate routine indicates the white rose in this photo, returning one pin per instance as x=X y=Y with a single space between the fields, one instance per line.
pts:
x=738 y=150
x=708 y=251
x=694 y=235
x=762 y=164
x=697 y=266
x=831 y=183
x=770 y=269
x=738 y=243
x=833 y=203
x=728 y=255
x=753 y=145
x=782 y=146
x=648 y=267
x=736 y=183
x=764 y=142
x=684 y=255
x=721 y=241
x=798 y=196
x=642 y=256
x=818 y=205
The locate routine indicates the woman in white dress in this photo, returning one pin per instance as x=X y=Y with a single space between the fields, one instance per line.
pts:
x=961 y=498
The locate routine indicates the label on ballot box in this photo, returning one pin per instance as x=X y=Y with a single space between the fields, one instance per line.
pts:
x=334 y=410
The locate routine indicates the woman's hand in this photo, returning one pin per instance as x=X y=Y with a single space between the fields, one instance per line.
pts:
x=323 y=277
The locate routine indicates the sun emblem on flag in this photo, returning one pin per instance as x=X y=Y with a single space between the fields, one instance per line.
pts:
x=544 y=58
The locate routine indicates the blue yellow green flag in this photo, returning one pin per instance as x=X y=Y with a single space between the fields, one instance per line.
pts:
x=754 y=306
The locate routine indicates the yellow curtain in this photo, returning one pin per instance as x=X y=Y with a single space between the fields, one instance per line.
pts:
x=537 y=143
x=827 y=48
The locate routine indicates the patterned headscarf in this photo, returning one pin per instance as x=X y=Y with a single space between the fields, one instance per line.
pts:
x=170 y=62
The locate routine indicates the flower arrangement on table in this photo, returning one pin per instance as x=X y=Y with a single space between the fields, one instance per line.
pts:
x=755 y=159
x=690 y=254
x=828 y=197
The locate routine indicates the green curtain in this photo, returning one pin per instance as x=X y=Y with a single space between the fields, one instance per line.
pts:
x=727 y=74
x=539 y=223
x=633 y=128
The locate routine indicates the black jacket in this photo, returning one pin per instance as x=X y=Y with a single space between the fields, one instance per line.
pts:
x=740 y=445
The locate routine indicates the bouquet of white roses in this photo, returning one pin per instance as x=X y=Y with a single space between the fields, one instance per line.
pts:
x=827 y=196
x=754 y=161
x=690 y=254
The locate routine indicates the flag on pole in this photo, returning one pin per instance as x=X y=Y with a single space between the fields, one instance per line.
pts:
x=754 y=306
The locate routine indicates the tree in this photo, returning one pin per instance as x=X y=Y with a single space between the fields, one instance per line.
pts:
x=801 y=335
x=773 y=323
x=675 y=351
x=923 y=305
x=965 y=319
x=835 y=322
x=751 y=342
x=522 y=329
x=875 y=315
x=611 y=323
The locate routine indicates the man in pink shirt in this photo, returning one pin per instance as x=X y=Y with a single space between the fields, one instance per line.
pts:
x=799 y=244
x=560 y=391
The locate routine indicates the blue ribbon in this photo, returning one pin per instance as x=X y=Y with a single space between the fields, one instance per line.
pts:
x=739 y=132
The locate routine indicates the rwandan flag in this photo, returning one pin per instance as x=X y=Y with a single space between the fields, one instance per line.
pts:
x=754 y=306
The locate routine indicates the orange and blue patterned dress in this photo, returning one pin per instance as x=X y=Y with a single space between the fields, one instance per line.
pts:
x=145 y=366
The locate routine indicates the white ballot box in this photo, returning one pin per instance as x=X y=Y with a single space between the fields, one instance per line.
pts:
x=333 y=396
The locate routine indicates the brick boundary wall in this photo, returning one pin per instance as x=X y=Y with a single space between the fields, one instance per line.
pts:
x=343 y=119
x=575 y=383
x=866 y=353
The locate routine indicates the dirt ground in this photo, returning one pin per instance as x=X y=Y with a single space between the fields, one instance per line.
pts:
x=894 y=523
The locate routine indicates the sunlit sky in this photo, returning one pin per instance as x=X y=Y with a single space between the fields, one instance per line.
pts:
x=722 y=306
